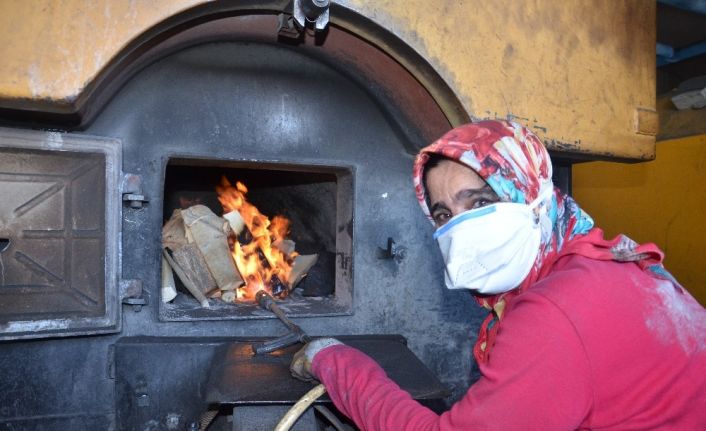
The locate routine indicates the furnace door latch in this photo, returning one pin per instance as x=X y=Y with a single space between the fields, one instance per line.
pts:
x=131 y=188
x=393 y=251
x=300 y=13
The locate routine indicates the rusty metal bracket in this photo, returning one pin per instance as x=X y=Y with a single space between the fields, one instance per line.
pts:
x=131 y=189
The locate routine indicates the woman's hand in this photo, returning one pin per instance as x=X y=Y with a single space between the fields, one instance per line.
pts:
x=301 y=363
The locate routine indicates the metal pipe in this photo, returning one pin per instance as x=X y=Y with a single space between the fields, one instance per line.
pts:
x=295 y=335
x=268 y=303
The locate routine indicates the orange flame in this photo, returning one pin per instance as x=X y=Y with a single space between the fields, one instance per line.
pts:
x=258 y=261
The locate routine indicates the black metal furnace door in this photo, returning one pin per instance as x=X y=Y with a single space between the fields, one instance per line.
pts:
x=59 y=214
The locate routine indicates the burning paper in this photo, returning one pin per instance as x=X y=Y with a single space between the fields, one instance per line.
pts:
x=262 y=265
x=177 y=239
x=206 y=228
x=168 y=286
x=186 y=261
x=190 y=286
x=235 y=222
x=301 y=267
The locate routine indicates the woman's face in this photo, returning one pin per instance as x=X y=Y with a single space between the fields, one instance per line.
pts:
x=454 y=188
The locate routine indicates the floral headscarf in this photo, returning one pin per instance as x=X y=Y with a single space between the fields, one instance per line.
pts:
x=516 y=165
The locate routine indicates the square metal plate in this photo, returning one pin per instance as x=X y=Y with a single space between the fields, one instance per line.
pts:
x=59 y=214
x=238 y=376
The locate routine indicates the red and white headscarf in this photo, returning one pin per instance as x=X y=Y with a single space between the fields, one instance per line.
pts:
x=515 y=164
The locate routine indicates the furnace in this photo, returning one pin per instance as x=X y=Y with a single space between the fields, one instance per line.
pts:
x=320 y=134
x=320 y=126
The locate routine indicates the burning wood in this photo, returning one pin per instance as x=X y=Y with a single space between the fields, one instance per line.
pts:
x=231 y=257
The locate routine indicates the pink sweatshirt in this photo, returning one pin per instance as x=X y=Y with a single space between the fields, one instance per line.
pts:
x=593 y=345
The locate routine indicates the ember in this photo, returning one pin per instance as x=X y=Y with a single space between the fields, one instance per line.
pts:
x=261 y=264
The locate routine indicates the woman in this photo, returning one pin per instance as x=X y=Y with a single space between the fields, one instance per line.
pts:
x=583 y=332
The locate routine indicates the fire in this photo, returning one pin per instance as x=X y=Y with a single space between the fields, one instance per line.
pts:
x=260 y=263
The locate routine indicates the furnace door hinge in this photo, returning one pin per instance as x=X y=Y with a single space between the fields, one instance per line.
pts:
x=131 y=189
x=131 y=293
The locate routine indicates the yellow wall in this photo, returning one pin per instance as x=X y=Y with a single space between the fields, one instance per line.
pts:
x=663 y=201
x=580 y=72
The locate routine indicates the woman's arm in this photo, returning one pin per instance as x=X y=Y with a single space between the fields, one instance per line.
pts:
x=537 y=377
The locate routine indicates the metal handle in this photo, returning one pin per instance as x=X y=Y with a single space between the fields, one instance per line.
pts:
x=296 y=334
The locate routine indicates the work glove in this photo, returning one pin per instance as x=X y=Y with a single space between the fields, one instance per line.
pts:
x=301 y=363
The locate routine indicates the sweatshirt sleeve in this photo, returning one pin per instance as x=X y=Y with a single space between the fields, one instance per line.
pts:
x=537 y=378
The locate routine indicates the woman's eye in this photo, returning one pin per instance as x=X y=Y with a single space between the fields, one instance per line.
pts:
x=441 y=218
x=481 y=203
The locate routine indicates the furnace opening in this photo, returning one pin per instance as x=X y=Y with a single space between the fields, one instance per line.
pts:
x=315 y=204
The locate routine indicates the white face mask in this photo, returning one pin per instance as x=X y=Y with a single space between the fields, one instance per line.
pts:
x=491 y=250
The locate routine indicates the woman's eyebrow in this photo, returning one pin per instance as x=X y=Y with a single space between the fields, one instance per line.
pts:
x=486 y=190
x=438 y=206
x=469 y=193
